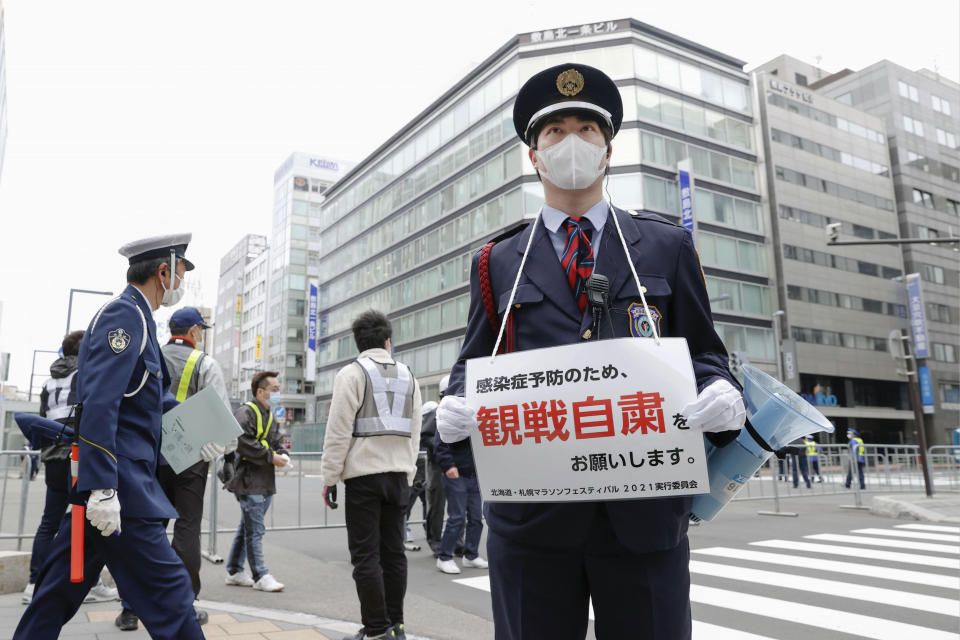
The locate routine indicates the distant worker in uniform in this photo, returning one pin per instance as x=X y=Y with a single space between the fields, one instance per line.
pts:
x=798 y=462
x=813 y=456
x=631 y=557
x=371 y=445
x=260 y=453
x=436 y=498
x=191 y=370
x=57 y=400
x=858 y=458
x=123 y=387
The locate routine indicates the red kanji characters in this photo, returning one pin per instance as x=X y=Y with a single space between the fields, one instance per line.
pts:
x=593 y=418
x=541 y=422
x=510 y=423
x=642 y=411
x=488 y=422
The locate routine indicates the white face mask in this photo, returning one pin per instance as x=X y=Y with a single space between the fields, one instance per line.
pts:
x=572 y=163
x=172 y=296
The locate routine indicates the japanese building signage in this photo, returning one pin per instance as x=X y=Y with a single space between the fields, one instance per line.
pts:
x=589 y=421
x=310 y=367
x=918 y=319
x=686 y=194
x=790 y=91
x=576 y=31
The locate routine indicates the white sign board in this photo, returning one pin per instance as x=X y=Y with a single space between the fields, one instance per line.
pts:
x=588 y=421
x=201 y=418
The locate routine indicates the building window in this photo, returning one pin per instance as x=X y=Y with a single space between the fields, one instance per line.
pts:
x=938 y=312
x=940 y=105
x=944 y=352
x=924 y=198
x=913 y=126
x=953 y=207
x=946 y=138
x=801 y=79
x=950 y=393
x=931 y=273
x=926 y=232
x=908 y=91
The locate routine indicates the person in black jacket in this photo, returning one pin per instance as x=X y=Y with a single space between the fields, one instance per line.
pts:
x=464 y=505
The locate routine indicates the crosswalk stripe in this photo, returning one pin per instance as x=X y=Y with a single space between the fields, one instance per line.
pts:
x=930 y=604
x=882 y=542
x=480 y=582
x=928 y=527
x=841 y=621
x=707 y=631
x=873 y=554
x=919 y=535
x=836 y=566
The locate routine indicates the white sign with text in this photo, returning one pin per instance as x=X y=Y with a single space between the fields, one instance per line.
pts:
x=587 y=421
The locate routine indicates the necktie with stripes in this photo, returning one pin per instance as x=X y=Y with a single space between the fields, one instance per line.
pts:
x=577 y=259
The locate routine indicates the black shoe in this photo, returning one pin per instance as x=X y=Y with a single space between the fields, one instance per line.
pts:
x=398 y=632
x=202 y=616
x=362 y=635
x=127 y=621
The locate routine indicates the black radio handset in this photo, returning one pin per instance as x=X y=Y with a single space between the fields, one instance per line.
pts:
x=598 y=298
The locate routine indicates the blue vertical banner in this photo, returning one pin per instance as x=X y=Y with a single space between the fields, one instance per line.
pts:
x=918 y=319
x=926 y=388
x=686 y=195
x=310 y=368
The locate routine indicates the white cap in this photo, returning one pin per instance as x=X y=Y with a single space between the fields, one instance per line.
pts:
x=444 y=383
x=427 y=407
x=158 y=247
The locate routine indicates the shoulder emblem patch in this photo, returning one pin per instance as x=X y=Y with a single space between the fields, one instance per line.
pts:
x=640 y=324
x=118 y=339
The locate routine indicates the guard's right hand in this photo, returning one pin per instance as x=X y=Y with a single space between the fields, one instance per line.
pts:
x=455 y=419
x=330 y=496
x=280 y=460
x=103 y=510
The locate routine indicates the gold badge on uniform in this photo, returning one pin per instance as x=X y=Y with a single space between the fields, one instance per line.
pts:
x=118 y=339
x=570 y=82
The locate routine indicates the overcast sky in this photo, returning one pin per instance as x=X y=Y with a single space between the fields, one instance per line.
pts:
x=133 y=118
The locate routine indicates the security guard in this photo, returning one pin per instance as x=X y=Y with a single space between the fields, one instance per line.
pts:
x=631 y=557
x=857 y=451
x=191 y=371
x=124 y=389
x=813 y=456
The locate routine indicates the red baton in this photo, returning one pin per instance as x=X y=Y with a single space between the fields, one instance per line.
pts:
x=77 y=516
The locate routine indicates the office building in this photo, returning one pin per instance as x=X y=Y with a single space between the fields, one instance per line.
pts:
x=236 y=316
x=921 y=111
x=399 y=230
x=828 y=163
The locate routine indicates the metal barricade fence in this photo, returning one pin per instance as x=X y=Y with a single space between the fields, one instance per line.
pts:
x=15 y=495
x=944 y=463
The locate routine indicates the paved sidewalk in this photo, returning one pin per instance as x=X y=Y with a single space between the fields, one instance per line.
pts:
x=941 y=507
x=227 y=620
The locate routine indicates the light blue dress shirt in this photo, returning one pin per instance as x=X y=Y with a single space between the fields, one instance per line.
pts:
x=553 y=222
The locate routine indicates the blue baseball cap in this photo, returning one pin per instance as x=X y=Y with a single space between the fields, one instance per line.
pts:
x=187 y=317
x=851 y=430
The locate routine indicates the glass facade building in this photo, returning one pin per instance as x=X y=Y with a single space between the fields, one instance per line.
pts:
x=828 y=163
x=399 y=230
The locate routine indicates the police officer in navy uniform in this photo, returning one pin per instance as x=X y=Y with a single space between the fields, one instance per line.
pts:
x=124 y=389
x=547 y=560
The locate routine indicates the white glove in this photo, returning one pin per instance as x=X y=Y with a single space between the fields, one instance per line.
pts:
x=455 y=419
x=719 y=407
x=285 y=458
x=103 y=510
x=231 y=446
x=210 y=451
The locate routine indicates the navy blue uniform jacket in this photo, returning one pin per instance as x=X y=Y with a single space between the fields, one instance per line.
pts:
x=124 y=394
x=546 y=315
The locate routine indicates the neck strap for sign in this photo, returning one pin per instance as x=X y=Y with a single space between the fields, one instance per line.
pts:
x=636 y=279
x=513 y=292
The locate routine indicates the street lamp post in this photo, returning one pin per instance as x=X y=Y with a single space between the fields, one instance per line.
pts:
x=33 y=368
x=776 y=315
x=70 y=305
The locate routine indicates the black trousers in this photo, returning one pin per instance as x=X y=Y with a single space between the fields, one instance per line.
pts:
x=186 y=491
x=374 y=507
x=436 y=504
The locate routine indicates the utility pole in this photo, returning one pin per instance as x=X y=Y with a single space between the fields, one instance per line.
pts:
x=913 y=385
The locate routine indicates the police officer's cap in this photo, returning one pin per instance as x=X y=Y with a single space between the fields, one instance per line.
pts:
x=563 y=87
x=853 y=431
x=187 y=317
x=158 y=247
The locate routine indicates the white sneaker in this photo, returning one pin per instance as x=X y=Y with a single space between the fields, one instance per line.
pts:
x=101 y=593
x=447 y=566
x=268 y=583
x=239 y=579
x=27 y=594
x=476 y=563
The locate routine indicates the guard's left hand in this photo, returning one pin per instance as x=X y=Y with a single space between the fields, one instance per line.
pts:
x=231 y=446
x=719 y=407
x=210 y=451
